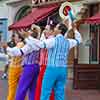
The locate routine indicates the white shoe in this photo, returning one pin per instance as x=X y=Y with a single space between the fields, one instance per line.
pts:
x=4 y=76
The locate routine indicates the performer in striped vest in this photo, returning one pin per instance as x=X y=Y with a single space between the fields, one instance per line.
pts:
x=28 y=79
x=56 y=71
x=48 y=33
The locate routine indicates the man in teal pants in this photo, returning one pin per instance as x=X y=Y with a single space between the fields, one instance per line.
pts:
x=56 y=72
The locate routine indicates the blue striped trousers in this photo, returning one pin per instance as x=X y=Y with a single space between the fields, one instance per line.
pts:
x=54 y=78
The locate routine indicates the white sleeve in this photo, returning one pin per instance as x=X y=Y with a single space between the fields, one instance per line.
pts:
x=72 y=43
x=76 y=41
x=34 y=43
x=26 y=49
x=47 y=43
x=66 y=34
x=42 y=37
x=14 y=51
x=31 y=42
x=19 y=51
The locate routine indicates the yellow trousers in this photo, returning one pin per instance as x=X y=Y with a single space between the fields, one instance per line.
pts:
x=13 y=78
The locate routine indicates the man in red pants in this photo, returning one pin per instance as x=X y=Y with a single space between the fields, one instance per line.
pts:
x=43 y=62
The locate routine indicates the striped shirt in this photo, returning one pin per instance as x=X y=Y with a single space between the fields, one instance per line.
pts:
x=44 y=52
x=43 y=56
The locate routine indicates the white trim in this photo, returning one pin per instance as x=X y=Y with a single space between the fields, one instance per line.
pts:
x=10 y=2
x=91 y=1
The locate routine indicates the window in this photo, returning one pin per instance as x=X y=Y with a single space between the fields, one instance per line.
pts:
x=94 y=34
x=0 y=36
x=93 y=51
x=89 y=49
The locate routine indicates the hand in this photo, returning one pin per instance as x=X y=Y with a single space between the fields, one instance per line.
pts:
x=26 y=34
x=23 y=33
x=74 y=26
x=4 y=45
x=66 y=22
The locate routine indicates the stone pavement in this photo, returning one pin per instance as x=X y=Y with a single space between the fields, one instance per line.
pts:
x=70 y=93
x=3 y=88
x=81 y=94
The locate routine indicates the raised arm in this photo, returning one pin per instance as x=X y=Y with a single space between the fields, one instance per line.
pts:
x=24 y=50
x=19 y=51
x=77 y=40
x=46 y=43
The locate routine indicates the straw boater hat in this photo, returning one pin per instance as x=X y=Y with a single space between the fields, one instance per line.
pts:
x=66 y=10
x=37 y=29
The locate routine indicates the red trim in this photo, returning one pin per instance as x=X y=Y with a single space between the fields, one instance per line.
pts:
x=74 y=0
x=94 y=19
x=99 y=46
x=35 y=16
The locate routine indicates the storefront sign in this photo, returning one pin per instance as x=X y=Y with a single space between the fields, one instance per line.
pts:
x=50 y=1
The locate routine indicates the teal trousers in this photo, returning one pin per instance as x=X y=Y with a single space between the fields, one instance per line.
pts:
x=54 y=78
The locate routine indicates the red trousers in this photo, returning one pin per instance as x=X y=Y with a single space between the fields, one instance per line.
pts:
x=39 y=84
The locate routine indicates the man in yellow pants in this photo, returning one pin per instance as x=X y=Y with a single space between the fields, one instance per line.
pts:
x=15 y=70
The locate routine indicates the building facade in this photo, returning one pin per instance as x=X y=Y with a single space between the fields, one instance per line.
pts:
x=84 y=61
x=87 y=62
x=10 y=12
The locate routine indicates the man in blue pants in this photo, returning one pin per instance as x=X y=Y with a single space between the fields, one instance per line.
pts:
x=58 y=49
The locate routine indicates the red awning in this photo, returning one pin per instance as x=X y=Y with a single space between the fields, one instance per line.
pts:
x=35 y=16
x=94 y=19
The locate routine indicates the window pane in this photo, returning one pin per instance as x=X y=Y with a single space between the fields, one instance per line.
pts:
x=93 y=55
x=83 y=49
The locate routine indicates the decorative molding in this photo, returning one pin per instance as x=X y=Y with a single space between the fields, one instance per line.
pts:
x=37 y=3
x=47 y=3
x=88 y=2
x=10 y=2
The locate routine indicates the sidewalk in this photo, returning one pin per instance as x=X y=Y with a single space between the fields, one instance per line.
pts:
x=81 y=94
x=70 y=93
x=2 y=64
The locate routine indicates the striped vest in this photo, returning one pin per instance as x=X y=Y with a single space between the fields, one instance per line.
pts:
x=43 y=56
x=57 y=56
x=31 y=58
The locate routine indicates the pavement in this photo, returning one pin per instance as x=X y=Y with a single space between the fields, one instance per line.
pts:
x=3 y=88
x=71 y=94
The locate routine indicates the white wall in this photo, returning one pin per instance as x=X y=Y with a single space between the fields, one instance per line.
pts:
x=13 y=9
x=9 y=11
x=77 y=7
x=84 y=50
x=4 y=12
x=84 y=30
